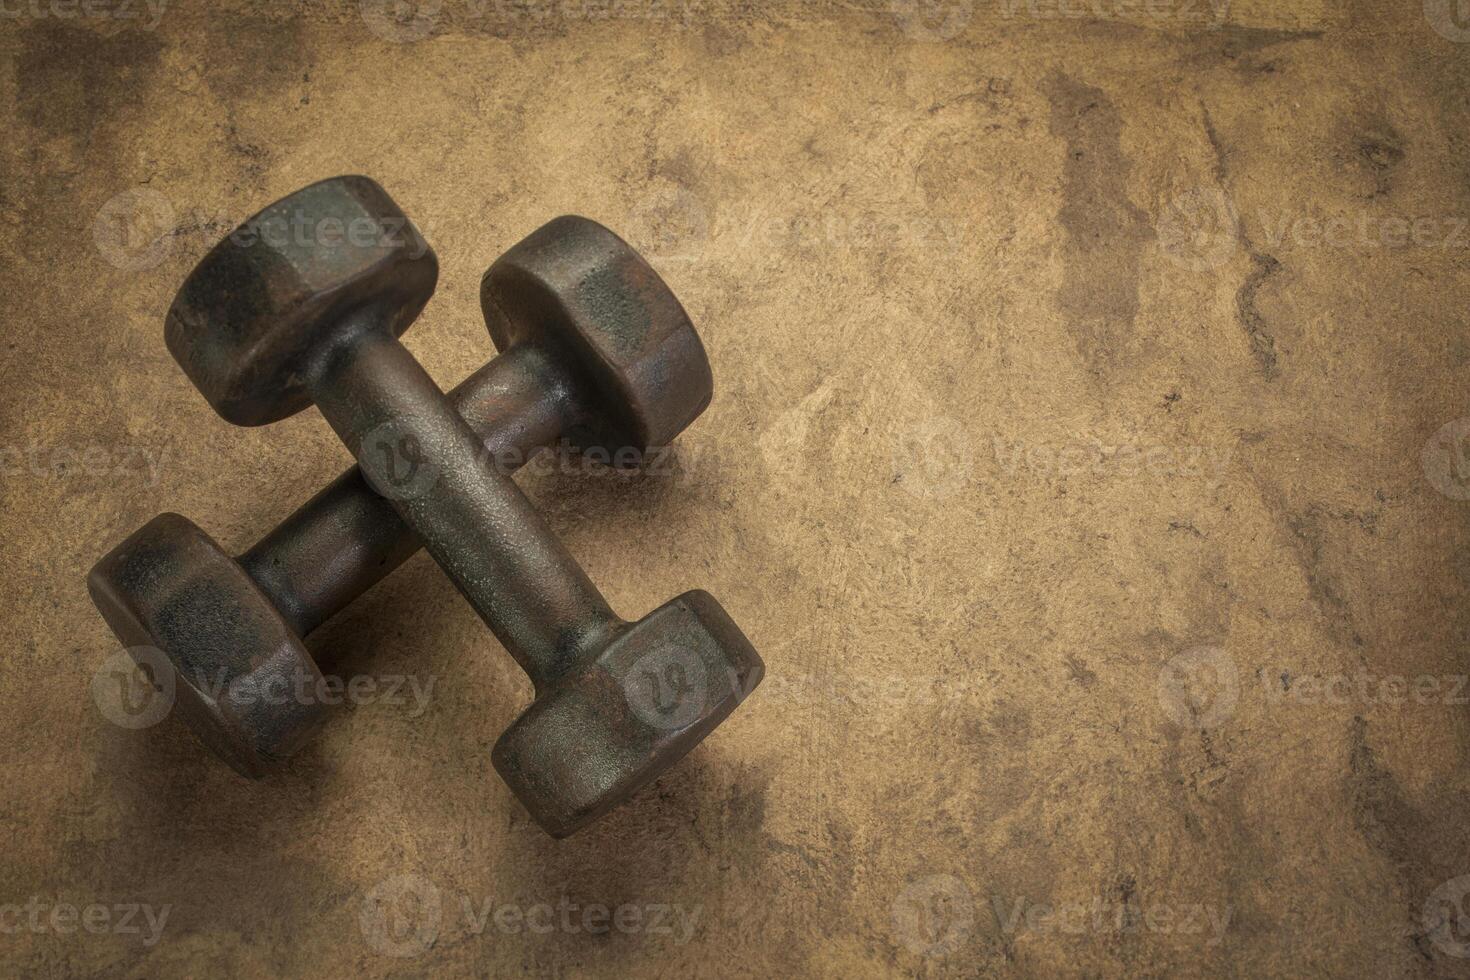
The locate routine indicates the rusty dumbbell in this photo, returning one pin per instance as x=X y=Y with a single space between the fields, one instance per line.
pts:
x=595 y=349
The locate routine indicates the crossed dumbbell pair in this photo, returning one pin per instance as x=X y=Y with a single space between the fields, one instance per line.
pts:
x=595 y=350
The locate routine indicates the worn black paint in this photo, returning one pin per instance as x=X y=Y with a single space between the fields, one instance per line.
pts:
x=596 y=349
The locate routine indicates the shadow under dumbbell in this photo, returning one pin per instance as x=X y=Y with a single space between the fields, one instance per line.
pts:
x=659 y=855
x=197 y=836
x=595 y=351
x=180 y=801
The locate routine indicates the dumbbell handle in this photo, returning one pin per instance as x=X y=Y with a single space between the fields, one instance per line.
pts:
x=474 y=520
x=347 y=538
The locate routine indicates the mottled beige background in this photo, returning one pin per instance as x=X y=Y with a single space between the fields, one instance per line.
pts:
x=1077 y=478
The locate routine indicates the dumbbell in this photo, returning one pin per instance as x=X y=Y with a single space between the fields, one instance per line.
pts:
x=346 y=539
x=264 y=326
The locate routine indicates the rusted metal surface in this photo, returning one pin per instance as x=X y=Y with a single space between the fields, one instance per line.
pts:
x=597 y=349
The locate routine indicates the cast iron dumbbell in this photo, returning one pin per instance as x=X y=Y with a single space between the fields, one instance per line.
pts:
x=347 y=538
x=265 y=327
